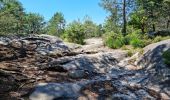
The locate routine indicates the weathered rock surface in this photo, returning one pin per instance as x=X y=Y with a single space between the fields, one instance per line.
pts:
x=78 y=74
x=99 y=63
x=92 y=89
x=51 y=91
x=152 y=62
x=152 y=55
x=42 y=67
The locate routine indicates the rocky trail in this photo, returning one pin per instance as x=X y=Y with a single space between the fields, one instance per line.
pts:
x=44 y=67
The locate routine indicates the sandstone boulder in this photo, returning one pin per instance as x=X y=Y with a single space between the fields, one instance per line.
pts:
x=152 y=55
x=152 y=62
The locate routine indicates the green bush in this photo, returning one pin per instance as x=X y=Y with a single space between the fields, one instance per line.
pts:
x=74 y=33
x=166 y=57
x=147 y=41
x=157 y=39
x=137 y=43
x=135 y=39
x=160 y=38
x=131 y=36
x=113 y=40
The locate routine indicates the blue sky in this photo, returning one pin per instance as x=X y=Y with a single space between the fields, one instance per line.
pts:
x=72 y=9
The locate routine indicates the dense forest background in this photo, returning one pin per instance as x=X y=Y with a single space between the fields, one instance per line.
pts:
x=129 y=22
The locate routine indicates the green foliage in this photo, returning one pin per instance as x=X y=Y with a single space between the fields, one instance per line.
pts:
x=135 y=39
x=147 y=41
x=11 y=15
x=7 y=25
x=143 y=16
x=166 y=57
x=110 y=26
x=137 y=43
x=56 y=25
x=157 y=39
x=14 y=20
x=75 y=33
x=138 y=20
x=90 y=28
x=160 y=38
x=129 y=53
x=113 y=40
x=34 y=23
x=132 y=36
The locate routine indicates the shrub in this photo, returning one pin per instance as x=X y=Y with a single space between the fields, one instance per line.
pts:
x=160 y=38
x=113 y=40
x=137 y=43
x=74 y=33
x=135 y=39
x=131 y=36
x=166 y=57
x=147 y=41
x=157 y=39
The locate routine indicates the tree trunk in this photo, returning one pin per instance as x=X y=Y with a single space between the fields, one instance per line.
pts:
x=143 y=28
x=124 y=17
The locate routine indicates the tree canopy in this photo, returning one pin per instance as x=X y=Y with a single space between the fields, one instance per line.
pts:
x=56 y=24
x=125 y=17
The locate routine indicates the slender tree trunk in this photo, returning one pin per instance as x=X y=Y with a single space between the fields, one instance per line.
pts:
x=143 y=28
x=124 y=17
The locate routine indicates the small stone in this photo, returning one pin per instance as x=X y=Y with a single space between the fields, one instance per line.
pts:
x=16 y=44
